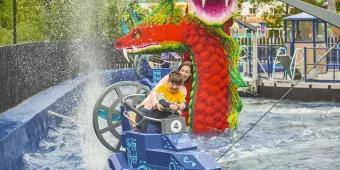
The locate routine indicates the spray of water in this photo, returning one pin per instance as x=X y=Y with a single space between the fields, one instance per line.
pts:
x=94 y=154
x=85 y=51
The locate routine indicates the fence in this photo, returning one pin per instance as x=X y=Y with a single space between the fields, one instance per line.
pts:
x=327 y=70
x=332 y=40
x=266 y=57
x=27 y=69
x=266 y=52
x=261 y=41
x=267 y=48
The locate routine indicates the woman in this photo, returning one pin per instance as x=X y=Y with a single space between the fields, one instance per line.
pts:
x=151 y=102
x=185 y=69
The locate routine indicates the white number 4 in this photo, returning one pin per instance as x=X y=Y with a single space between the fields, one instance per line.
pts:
x=176 y=126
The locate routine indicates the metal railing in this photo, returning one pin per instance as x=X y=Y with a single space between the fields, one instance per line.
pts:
x=328 y=67
x=266 y=56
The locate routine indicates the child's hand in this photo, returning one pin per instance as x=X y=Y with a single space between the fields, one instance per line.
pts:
x=158 y=107
x=174 y=107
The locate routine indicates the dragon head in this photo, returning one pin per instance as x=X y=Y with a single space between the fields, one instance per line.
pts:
x=152 y=39
x=138 y=39
x=212 y=11
x=159 y=32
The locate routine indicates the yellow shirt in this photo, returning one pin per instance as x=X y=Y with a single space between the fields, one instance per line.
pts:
x=163 y=92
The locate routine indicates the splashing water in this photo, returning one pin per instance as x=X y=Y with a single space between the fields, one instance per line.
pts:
x=94 y=154
x=73 y=145
x=295 y=135
x=84 y=23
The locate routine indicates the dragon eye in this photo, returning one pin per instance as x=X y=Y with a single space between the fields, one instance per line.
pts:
x=136 y=34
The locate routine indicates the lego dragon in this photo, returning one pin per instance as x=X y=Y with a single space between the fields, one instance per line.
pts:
x=214 y=101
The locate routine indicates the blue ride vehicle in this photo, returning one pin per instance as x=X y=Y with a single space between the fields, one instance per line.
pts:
x=114 y=125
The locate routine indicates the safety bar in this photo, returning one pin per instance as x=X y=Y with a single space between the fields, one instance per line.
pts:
x=136 y=110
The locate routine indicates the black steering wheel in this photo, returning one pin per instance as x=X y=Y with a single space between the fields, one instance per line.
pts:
x=107 y=112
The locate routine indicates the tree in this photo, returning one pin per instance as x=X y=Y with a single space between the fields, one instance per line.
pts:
x=30 y=21
x=5 y=22
x=331 y=5
x=275 y=19
x=62 y=20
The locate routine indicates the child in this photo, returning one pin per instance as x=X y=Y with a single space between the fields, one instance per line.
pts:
x=170 y=100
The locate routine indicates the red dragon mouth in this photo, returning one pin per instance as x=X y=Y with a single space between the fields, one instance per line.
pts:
x=212 y=11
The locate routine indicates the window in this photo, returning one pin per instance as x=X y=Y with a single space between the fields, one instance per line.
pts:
x=304 y=31
x=289 y=31
x=320 y=32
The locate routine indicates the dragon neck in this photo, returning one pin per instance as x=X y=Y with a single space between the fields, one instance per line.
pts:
x=209 y=98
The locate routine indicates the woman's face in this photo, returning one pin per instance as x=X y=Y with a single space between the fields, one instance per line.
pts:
x=185 y=72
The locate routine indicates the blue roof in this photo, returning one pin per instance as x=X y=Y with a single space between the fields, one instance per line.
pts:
x=301 y=16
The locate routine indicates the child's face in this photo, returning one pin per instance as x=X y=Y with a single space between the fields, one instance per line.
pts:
x=173 y=86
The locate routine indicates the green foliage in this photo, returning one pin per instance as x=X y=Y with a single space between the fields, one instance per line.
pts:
x=5 y=36
x=61 y=20
x=84 y=19
x=6 y=22
x=30 y=21
x=313 y=2
x=162 y=14
x=126 y=16
x=275 y=19
x=56 y=19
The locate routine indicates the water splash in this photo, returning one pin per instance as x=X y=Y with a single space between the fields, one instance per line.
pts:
x=86 y=51
x=94 y=154
x=85 y=24
x=295 y=135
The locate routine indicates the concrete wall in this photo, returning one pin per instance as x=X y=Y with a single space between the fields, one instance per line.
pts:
x=27 y=69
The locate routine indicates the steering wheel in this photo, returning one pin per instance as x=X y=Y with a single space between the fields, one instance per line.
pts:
x=107 y=112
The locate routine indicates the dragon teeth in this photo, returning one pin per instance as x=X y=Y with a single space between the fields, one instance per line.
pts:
x=126 y=55
x=203 y=3
x=226 y=3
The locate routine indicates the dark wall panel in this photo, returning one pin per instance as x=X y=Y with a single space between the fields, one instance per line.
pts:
x=27 y=69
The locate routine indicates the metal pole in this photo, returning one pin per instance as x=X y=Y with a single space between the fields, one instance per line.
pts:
x=305 y=62
x=14 y=21
x=269 y=64
x=334 y=73
x=255 y=74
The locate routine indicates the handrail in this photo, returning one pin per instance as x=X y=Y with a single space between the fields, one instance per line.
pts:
x=294 y=61
x=264 y=70
x=282 y=51
x=278 y=52
x=136 y=110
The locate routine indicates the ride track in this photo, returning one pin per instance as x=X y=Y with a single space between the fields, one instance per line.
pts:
x=214 y=101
